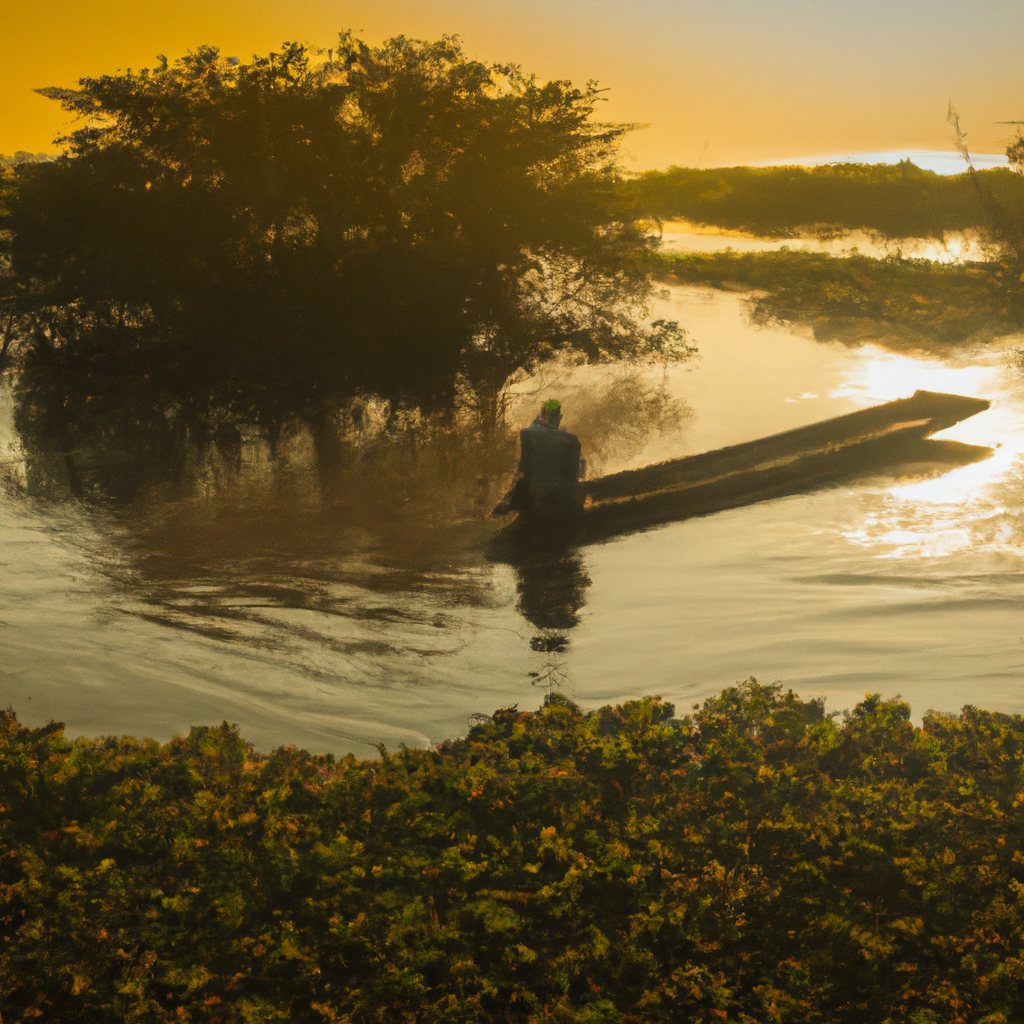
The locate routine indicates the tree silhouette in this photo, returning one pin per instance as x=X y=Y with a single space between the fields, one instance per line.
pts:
x=230 y=242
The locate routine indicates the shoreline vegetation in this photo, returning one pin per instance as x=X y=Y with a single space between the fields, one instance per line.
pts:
x=755 y=860
x=894 y=201
x=908 y=304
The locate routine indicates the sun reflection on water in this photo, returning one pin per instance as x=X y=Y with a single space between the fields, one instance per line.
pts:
x=972 y=509
x=902 y=528
x=878 y=375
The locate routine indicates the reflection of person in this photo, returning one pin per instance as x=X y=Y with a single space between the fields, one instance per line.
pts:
x=552 y=589
x=549 y=469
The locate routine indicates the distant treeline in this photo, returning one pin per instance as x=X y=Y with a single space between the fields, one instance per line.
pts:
x=895 y=200
x=23 y=157
x=757 y=860
x=911 y=303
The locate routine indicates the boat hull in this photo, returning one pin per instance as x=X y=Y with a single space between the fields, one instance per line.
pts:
x=891 y=439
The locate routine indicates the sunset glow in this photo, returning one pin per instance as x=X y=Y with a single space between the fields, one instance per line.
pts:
x=716 y=83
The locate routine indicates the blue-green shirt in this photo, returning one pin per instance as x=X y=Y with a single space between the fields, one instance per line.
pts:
x=549 y=459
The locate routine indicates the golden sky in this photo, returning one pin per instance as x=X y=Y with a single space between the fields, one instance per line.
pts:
x=717 y=81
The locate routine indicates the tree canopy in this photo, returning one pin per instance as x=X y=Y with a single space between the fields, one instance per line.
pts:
x=258 y=241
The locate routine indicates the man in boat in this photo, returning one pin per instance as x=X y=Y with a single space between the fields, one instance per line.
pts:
x=549 y=470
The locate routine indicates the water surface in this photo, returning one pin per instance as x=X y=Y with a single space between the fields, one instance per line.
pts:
x=263 y=605
x=680 y=236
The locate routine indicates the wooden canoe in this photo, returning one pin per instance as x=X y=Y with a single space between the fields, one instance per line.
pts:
x=885 y=439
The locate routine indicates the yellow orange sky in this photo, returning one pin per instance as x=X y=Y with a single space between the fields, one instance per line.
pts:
x=718 y=81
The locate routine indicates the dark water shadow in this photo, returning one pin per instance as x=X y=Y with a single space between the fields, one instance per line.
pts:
x=266 y=567
x=552 y=588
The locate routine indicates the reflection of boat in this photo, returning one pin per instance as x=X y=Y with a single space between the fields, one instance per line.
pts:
x=889 y=439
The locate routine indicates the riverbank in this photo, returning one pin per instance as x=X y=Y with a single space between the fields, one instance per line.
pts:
x=756 y=859
x=891 y=200
x=908 y=305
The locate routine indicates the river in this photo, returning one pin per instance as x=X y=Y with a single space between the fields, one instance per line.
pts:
x=253 y=605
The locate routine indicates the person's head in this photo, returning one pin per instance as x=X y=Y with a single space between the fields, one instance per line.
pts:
x=551 y=412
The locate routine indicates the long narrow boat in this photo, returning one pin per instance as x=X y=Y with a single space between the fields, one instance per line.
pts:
x=892 y=439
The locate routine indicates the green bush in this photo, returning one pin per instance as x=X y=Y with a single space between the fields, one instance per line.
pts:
x=755 y=861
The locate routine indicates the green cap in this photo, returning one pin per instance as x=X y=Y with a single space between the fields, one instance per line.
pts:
x=552 y=404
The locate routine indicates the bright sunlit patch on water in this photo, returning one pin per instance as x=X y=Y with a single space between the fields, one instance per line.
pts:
x=972 y=508
x=907 y=527
x=876 y=375
x=954 y=248
x=967 y=485
x=682 y=236
x=962 y=511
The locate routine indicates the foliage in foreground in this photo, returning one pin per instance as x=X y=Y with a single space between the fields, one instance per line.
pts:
x=752 y=862
x=915 y=304
x=893 y=200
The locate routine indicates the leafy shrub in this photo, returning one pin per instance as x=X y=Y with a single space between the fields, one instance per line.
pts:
x=754 y=861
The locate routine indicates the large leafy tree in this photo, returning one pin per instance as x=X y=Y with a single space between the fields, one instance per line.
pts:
x=258 y=242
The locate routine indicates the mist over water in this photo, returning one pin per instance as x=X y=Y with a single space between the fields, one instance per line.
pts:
x=339 y=620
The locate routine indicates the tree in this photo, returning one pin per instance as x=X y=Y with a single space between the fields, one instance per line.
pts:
x=231 y=242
